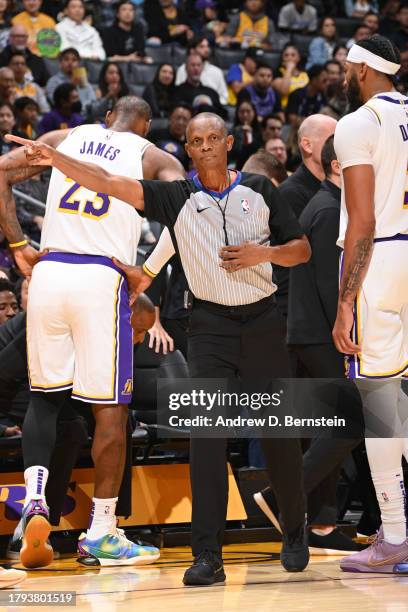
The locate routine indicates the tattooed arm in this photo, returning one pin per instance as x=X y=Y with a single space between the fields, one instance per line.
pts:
x=14 y=168
x=359 y=187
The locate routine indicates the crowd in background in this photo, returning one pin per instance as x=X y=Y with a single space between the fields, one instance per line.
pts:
x=262 y=65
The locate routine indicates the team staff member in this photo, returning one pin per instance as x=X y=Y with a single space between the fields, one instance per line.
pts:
x=234 y=323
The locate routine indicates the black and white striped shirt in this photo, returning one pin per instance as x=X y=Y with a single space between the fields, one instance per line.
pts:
x=253 y=211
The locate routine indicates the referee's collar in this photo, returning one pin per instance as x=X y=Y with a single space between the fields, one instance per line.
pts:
x=217 y=194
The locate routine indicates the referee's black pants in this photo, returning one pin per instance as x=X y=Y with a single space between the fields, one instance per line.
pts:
x=245 y=342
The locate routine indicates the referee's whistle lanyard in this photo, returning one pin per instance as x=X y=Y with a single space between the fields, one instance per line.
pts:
x=223 y=210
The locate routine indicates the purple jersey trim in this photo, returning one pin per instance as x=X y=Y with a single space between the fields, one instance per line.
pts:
x=76 y=258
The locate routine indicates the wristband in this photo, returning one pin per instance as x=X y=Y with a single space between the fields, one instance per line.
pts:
x=14 y=245
x=148 y=272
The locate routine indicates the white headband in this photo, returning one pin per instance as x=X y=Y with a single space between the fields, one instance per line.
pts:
x=359 y=55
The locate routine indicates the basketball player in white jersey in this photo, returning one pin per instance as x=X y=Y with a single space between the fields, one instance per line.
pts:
x=78 y=325
x=372 y=320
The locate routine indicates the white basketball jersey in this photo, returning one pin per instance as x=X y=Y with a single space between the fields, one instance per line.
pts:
x=81 y=221
x=377 y=134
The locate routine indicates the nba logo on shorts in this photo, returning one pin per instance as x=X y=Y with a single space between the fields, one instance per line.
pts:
x=385 y=496
x=128 y=388
x=245 y=205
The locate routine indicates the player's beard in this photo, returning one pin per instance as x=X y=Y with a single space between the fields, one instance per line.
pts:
x=354 y=93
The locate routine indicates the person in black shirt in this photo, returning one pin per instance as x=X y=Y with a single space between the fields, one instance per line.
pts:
x=308 y=100
x=235 y=328
x=400 y=36
x=173 y=138
x=18 y=40
x=160 y=93
x=167 y=22
x=124 y=41
x=193 y=92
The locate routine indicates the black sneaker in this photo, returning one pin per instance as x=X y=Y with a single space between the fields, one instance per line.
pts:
x=206 y=569
x=267 y=502
x=295 y=552
x=334 y=543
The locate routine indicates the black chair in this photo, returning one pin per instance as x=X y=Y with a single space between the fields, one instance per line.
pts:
x=164 y=53
x=346 y=26
x=302 y=42
x=52 y=65
x=141 y=74
x=94 y=69
x=179 y=55
x=224 y=58
x=272 y=59
x=136 y=90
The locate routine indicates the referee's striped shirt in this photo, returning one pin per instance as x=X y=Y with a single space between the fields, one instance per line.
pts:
x=253 y=211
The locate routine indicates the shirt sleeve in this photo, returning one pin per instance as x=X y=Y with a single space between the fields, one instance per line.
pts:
x=356 y=137
x=282 y=222
x=163 y=200
x=293 y=103
x=283 y=19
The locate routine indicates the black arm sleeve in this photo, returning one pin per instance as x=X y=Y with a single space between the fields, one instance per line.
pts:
x=325 y=259
x=282 y=222
x=163 y=200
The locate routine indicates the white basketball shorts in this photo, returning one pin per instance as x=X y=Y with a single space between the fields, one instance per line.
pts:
x=381 y=313
x=79 y=334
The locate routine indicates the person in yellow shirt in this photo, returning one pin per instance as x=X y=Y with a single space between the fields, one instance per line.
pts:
x=290 y=76
x=33 y=21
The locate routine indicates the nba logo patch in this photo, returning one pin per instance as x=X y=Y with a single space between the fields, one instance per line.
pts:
x=245 y=206
x=385 y=496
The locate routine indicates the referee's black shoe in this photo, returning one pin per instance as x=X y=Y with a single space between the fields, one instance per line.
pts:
x=295 y=552
x=206 y=569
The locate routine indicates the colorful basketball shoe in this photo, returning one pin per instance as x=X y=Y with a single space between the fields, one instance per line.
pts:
x=36 y=550
x=114 y=549
x=381 y=557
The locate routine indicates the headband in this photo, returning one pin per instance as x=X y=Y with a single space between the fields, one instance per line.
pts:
x=359 y=55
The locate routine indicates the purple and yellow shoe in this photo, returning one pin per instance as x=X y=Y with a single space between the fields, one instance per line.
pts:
x=36 y=550
x=114 y=549
x=381 y=557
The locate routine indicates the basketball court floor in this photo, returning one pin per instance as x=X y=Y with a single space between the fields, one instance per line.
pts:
x=255 y=582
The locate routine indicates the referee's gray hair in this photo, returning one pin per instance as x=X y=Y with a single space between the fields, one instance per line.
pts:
x=214 y=116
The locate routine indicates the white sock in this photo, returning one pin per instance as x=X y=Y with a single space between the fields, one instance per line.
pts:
x=103 y=518
x=390 y=490
x=35 y=478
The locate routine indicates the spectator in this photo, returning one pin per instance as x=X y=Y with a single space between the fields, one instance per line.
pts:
x=276 y=147
x=18 y=42
x=33 y=21
x=265 y=99
x=337 y=102
x=251 y=27
x=26 y=111
x=388 y=20
x=340 y=54
x=70 y=72
x=310 y=99
x=321 y=48
x=5 y=22
x=359 y=8
x=266 y=164
x=246 y=132
x=241 y=75
x=160 y=93
x=173 y=138
x=372 y=21
x=112 y=86
x=7 y=86
x=298 y=16
x=76 y=32
x=166 y=22
x=290 y=76
x=211 y=76
x=7 y=126
x=24 y=84
x=335 y=73
x=66 y=111
x=8 y=301
x=211 y=21
x=271 y=127
x=194 y=92
x=360 y=32
x=124 y=41
x=400 y=36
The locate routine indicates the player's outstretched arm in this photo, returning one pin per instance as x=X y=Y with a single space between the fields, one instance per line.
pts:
x=88 y=175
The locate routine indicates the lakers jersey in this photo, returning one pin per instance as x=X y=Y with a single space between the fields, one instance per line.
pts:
x=81 y=221
x=377 y=134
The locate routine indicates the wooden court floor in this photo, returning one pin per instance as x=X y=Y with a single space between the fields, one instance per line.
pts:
x=255 y=582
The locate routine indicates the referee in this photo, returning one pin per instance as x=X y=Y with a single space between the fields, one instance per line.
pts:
x=235 y=327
